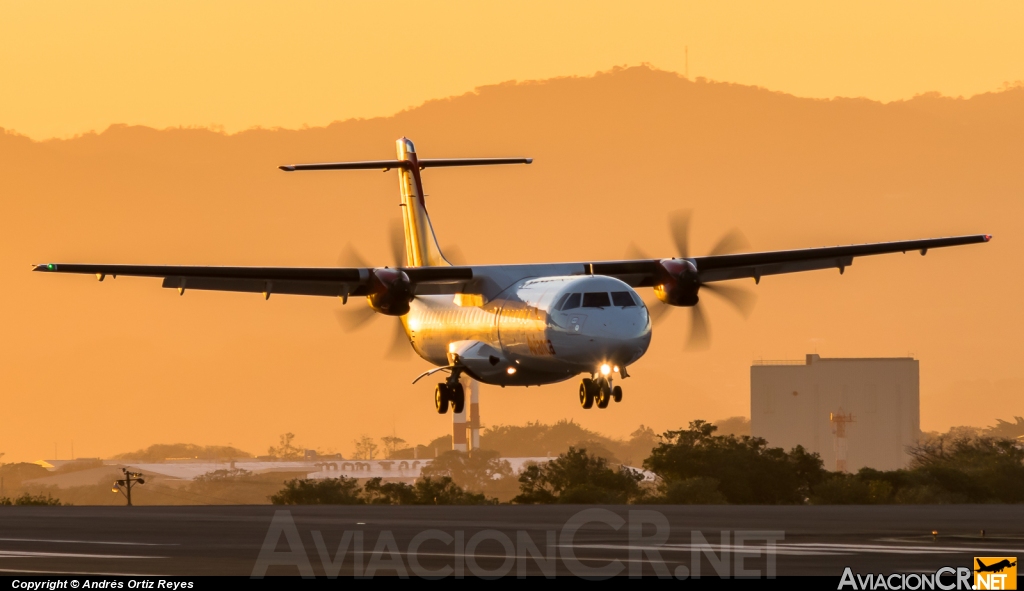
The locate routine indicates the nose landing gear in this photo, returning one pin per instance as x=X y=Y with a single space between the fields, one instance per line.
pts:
x=598 y=390
x=447 y=393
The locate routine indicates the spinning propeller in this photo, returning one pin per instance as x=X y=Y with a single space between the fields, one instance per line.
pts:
x=678 y=282
x=393 y=284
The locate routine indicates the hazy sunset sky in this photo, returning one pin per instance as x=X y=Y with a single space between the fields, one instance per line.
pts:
x=80 y=360
x=72 y=67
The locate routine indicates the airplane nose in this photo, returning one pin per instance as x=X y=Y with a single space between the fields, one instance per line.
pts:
x=625 y=333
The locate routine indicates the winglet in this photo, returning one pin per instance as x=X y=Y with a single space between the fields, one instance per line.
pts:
x=47 y=267
x=287 y=168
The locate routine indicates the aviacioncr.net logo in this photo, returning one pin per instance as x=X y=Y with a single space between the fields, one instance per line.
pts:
x=946 y=578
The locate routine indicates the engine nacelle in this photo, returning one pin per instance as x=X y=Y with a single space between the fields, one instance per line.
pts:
x=390 y=292
x=677 y=282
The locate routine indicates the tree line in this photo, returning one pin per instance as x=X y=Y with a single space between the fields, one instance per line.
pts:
x=698 y=466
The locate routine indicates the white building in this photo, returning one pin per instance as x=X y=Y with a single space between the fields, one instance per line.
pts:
x=810 y=403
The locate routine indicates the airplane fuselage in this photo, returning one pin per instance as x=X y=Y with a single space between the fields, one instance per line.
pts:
x=538 y=331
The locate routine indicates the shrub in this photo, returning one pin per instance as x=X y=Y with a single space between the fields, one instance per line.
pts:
x=578 y=477
x=391 y=493
x=327 y=491
x=844 y=489
x=972 y=469
x=480 y=471
x=31 y=500
x=747 y=470
x=444 y=491
x=346 y=491
x=691 y=491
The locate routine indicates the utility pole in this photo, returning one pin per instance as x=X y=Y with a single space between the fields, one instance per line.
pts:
x=130 y=479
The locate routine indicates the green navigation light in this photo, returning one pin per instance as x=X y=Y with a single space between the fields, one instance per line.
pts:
x=51 y=267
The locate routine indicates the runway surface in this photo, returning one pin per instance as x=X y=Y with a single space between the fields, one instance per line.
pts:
x=581 y=540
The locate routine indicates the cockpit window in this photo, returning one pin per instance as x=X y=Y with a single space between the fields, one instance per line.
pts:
x=573 y=301
x=596 y=299
x=623 y=298
x=561 y=302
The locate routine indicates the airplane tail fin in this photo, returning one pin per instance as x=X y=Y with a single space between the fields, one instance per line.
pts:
x=421 y=249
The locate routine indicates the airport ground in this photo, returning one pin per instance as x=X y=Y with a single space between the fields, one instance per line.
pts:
x=440 y=540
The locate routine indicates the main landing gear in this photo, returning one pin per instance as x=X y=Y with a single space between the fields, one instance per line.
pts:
x=450 y=392
x=598 y=390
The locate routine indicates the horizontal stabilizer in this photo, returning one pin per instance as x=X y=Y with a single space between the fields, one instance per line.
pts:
x=389 y=164
x=437 y=162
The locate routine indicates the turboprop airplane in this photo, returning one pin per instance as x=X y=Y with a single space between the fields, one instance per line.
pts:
x=514 y=325
x=995 y=567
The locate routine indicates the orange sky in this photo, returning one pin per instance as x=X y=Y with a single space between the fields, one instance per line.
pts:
x=70 y=67
x=124 y=364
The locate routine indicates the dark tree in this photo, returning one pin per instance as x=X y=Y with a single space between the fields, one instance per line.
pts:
x=578 y=477
x=747 y=470
x=326 y=491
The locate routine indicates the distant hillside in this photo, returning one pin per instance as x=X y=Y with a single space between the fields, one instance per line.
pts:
x=179 y=451
x=125 y=363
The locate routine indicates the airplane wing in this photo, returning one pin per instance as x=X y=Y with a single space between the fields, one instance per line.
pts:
x=492 y=279
x=642 y=273
x=316 y=281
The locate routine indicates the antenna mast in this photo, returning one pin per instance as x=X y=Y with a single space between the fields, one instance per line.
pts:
x=839 y=421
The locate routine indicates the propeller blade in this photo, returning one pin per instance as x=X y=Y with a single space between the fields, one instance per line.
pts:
x=737 y=297
x=699 y=338
x=400 y=347
x=635 y=252
x=732 y=242
x=356 y=318
x=679 y=225
x=657 y=311
x=350 y=257
x=453 y=254
x=397 y=236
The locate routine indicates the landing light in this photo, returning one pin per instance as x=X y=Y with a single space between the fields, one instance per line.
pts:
x=616 y=369
x=605 y=369
x=511 y=370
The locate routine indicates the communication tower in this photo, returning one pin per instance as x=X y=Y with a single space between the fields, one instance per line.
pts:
x=839 y=421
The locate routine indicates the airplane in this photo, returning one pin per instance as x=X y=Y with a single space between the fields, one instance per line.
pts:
x=994 y=568
x=514 y=325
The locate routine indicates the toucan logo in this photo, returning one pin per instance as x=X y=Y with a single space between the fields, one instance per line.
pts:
x=995 y=572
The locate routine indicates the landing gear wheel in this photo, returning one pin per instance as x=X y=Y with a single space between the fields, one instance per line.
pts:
x=458 y=397
x=604 y=395
x=617 y=393
x=587 y=393
x=442 y=395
